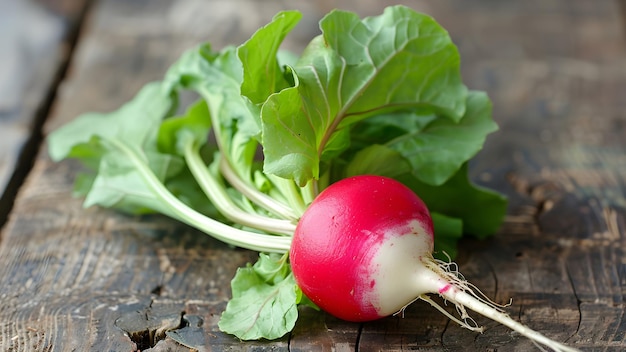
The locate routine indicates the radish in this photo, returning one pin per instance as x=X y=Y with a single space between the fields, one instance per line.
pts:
x=363 y=250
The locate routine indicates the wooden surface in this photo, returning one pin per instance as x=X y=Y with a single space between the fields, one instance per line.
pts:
x=36 y=39
x=74 y=279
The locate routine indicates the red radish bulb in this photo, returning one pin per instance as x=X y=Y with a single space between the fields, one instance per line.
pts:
x=363 y=250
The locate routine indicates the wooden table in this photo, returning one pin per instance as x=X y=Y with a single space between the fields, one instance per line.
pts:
x=74 y=279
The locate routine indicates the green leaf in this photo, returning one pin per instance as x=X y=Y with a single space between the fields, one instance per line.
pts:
x=448 y=231
x=400 y=57
x=438 y=150
x=304 y=301
x=272 y=268
x=286 y=146
x=481 y=210
x=191 y=127
x=264 y=302
x=262 y=74
x=185 y=187
x=135 y=123
x=217 y=77
x=435 y=147
x=119 y=185
x=114 y=182
x=357 y=69
x=195 y=123
x=377 y=160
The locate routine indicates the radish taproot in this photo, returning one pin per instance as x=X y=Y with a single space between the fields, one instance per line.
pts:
x=363 y=250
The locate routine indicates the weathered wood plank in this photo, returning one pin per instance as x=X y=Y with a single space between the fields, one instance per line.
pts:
x=74 y=279
x=561 y=146
x=35 y=38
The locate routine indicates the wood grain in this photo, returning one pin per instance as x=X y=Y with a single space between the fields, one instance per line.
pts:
x=36 y=43
x=95 y=280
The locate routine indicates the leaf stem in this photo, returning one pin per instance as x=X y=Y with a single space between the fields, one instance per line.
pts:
x=179 y=210
x=259 y=198
x=220 y=198
x=290 y=191
x=310 y=191
x=232 y=176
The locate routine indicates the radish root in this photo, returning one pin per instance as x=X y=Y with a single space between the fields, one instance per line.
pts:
x=466 y=295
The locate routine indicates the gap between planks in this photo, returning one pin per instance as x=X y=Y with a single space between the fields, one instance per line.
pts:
x=27 y=155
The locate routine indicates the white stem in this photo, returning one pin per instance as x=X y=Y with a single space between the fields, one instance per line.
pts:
x=460 y=292
x=290 y=192
x=220 y=198
x=469 y=301
x=179 y=210
x=256 y=196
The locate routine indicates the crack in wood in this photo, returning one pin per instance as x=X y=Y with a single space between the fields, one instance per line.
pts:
x=359 y=334
x=148 y=326
x=190 y=334
x=158 y=290
x=578 y=301
x=495 y=278
x=27 y=155
x=443 y=333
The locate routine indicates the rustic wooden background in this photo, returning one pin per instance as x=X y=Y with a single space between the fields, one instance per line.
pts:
x=74 y=279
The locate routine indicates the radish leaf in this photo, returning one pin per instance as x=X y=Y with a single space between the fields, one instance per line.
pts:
x=438 y=150
x=356 y=69
x=434 y=147
x=114 y=181
x=482 y=210
x=449 y=231
x=262 y=74
x=264 y=302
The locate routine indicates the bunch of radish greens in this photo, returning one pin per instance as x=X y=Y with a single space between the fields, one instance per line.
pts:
x=271 y=133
